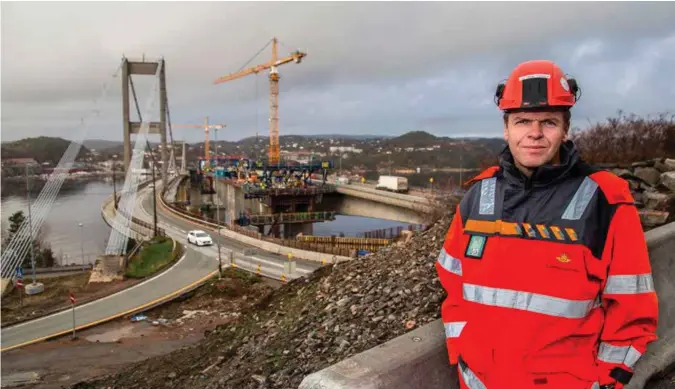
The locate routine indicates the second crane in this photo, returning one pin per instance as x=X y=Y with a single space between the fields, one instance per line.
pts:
x=296 y=56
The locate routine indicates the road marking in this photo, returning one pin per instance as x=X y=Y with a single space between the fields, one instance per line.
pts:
x=140 y=307
x=99 y=300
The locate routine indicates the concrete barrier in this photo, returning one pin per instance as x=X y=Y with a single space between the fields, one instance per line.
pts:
x=419 y=359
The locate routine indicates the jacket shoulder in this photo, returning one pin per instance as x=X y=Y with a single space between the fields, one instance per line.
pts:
x=487 y=173
x=473 y=191
x=615 y=188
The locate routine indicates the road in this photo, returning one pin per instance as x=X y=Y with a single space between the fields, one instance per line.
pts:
x=357 y=186
x=272 y=265
x=189 y=270
x=196 y=265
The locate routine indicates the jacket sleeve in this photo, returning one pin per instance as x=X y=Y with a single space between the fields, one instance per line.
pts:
x=628 y=297
x=449 y=269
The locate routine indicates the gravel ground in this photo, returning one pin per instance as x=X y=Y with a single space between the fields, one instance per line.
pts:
x=309 y=324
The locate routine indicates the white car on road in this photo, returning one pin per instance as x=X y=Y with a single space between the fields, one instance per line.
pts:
x=199 y=237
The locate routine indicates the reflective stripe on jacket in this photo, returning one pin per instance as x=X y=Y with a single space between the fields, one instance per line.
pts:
x=548 y=279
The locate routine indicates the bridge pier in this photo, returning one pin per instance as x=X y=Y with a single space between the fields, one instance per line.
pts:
x=130 y=68
x=291 y=230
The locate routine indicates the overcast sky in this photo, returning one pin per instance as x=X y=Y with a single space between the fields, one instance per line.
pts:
x=372 y=68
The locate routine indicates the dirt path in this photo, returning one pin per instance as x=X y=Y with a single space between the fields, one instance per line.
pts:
x=55 y=296
x=105 y=349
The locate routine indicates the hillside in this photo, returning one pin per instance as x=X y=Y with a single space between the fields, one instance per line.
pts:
x=414 y=139
x=42 y=149
x=307 y=324
x=100 y=144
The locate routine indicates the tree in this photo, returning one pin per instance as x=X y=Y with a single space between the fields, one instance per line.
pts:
x=44 y=257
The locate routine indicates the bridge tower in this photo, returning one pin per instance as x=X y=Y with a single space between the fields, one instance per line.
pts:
x=144 y=68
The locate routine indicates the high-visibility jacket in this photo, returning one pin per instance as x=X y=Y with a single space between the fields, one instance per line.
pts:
x=548 y=279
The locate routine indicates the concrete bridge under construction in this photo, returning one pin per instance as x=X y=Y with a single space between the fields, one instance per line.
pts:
x=315 y=203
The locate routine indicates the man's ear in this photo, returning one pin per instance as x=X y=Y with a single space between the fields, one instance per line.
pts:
x=506 y=133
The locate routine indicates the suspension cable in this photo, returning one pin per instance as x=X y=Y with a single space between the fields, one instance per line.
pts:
x=119 y=236
x=16 y=250
x=254 y=56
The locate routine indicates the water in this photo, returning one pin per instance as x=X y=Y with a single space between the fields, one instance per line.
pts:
x=353 y=225
x=78 y=202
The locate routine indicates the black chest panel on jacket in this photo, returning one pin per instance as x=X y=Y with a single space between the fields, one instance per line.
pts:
x=559 y=204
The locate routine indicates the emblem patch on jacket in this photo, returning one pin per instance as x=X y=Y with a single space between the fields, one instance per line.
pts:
x=563 y=258
x=475 y=247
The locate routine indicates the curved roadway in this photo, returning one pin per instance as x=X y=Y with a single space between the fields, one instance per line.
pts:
x=271 y=265
x=197 y=265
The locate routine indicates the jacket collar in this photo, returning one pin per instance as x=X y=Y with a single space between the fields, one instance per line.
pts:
x=544 y=175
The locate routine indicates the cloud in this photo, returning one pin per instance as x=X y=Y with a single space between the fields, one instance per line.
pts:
x=371 y=67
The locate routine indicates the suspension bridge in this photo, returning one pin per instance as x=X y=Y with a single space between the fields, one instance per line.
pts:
x=20 y=246
x=191 y=270
x=138 y=205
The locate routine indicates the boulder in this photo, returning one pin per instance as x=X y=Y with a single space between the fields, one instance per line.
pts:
x=668 y=180
x=655 y=200
x=642 y=164
x=648 y=174
x=623 y=173
x=653 y=218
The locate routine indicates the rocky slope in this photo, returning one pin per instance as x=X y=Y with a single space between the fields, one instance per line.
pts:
x=308 y=324
x=653 y=186
x=336 y=312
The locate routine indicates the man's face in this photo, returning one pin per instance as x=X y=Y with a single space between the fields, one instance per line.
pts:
x=534 y=137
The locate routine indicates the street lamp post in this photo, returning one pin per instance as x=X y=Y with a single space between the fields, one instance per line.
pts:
x=215 y=189
x=154 y=199
x=81 y=241
x=30 y=226
x=114 y=184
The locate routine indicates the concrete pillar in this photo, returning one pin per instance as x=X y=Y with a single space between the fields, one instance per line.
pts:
x=183 y=163
x=125 y=113
x=231 y=204
x=162 y=120
x=291 y=230
x=276 y=231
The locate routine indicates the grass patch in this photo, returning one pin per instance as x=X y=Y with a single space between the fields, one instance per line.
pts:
x=246 y=277
x=152 y=257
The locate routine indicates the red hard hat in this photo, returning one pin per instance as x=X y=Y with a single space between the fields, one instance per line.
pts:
x=536 y=85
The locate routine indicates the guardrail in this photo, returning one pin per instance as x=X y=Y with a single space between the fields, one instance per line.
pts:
x=138 y=226
x=371 y=244
x=290 y=243
x=143 y=227
x=395 y=199
x=419 y=359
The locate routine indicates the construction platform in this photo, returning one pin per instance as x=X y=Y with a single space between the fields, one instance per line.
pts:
x=293 y=217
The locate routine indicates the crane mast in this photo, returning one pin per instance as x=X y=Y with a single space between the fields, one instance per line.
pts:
x=272 y=65
x=206 y=128
x=273 y=156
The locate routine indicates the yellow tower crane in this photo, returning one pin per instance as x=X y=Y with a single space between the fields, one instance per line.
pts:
x=296 y=57
x=206 y=127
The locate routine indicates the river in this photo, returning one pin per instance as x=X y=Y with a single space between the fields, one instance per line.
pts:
x=80 y=202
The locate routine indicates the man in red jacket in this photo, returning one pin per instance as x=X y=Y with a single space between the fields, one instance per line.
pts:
x=545 y=263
